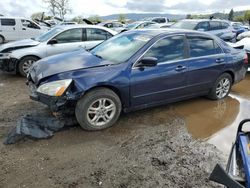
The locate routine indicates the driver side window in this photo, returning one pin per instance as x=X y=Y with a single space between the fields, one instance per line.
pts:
x=71 y=35
x=167 y=49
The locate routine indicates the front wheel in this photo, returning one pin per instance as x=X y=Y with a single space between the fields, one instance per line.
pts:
x=222 y=87
x=25 y=64
x=98 y=109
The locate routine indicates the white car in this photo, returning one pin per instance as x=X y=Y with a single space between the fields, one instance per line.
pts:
x=18 y=56
x=243 y=35
x=245 y=43
x=138 y=25
x=12 y=29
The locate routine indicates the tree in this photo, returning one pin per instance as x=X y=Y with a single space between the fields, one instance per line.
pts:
x=188 y=16
x=231 y=15
x=62 y=7
x=247 y=16
x=52 y=5
x=122 y=18
x=95 y=19
x=58 y=7
x=77 y=19
x=239 y=19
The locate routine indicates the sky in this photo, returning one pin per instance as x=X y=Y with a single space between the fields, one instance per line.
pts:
x=86 y=8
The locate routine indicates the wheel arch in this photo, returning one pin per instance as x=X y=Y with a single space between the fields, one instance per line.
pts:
x=231 y=74
x=19 y=60
x=112 y=88
x=3 y=38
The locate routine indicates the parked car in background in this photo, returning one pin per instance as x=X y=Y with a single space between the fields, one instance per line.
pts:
x=117 y=26
x=245 y=44
x=134 y=70
x=13 y=28
x=67 y=23
x=159 y=26
x=238 y=27
x=138 y=25
x=18 y=56
x=243 y=35
x=220 y=28
x=159 y=20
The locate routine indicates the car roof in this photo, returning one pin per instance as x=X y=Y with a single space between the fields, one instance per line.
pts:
x=85 y=26
x=169 y=31
x=202 y=20
x=12 y=17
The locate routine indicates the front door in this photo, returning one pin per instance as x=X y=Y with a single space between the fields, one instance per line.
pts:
x=67 y=41
x=165 y=81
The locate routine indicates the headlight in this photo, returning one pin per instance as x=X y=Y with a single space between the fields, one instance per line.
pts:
x=56 y=88
x=5 y=56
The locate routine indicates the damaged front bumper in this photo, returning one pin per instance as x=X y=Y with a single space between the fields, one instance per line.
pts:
x=63 y=104
x=8 y=64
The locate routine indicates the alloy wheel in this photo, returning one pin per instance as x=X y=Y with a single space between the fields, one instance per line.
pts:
x=101 y=112
x=26 y=66
x=223 y=88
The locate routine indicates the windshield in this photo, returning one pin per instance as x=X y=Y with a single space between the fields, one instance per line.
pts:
x=132 y=25
x=185 y=25
x=120 y=48
x=46 y=36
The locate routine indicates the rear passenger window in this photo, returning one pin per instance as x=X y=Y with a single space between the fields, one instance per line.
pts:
x=215 y=25
x=203 y=47
x=168 y=49
x=8 y=22
x=203 y=25
x=224 y=25
x=97 y=34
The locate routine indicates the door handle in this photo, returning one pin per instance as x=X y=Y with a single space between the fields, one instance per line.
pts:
x=14 y=28
x=219 y=60
x=23 y=29
x=180 y=68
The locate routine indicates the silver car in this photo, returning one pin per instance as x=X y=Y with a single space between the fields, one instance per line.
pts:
x=220 y=28
x=18 y=56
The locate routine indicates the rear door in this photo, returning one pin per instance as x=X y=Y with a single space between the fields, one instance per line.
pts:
x=206 y=62
x=69 y=40
x=9 y=29
x=165 y=81
x=94 y=36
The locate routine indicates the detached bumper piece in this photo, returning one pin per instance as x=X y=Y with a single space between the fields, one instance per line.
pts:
x=237 y=174
x=38 y=127
x=8 y=65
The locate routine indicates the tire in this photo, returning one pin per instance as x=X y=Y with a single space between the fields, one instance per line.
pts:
x=222 y=87
x=98 y=109
x=1 y=39
x=25 y=63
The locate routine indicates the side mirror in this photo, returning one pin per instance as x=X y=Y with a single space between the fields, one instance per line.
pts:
x=147 y=62
x=53 y=41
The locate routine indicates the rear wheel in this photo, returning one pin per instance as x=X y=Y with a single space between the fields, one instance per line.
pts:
x=98 y=109
x=1 y=39
x=222 y=87
x=25 y=64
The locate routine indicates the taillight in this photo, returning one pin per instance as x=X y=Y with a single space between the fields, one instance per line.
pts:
x=246 y=59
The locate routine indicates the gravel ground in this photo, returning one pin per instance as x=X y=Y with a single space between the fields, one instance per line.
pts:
x=149 y=148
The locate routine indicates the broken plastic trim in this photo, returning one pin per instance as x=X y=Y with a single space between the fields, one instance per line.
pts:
x=38 y=127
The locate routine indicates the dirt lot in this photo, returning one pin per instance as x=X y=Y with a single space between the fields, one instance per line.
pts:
x=160 y=147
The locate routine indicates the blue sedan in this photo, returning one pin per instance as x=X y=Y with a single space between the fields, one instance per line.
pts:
x=135 y=70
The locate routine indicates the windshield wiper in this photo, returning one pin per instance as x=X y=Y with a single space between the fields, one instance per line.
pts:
x=98 y=56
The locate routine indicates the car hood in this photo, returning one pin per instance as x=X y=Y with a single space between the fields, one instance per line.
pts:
x=18 y=45
x=80 y=59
